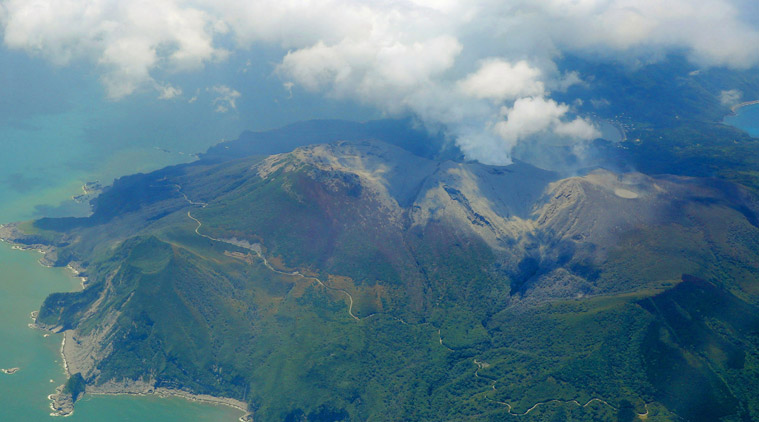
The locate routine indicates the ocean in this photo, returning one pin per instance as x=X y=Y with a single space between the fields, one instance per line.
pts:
x=46 y=155
x=746 y=118
x=23 y=395
x=24 y=284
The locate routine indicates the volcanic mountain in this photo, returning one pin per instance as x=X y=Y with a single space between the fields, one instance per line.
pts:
x=361 y=280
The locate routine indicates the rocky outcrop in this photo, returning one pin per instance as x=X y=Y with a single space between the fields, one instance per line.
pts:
x=62 y=402
x=11 y=233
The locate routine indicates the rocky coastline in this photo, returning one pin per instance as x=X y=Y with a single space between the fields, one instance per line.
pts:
x=61 y=402
x=90 y=190
x=145 y=388
x=11 y=234
x=63 y=399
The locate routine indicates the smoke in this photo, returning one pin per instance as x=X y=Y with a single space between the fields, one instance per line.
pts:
x=483 y=71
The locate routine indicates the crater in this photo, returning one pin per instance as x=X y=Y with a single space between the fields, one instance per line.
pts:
x=624 y=193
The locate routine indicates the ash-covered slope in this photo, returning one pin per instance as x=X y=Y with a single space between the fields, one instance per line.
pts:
x=359 y=281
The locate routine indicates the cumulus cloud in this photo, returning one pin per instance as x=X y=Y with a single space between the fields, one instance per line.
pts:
x=532 y=115
x=168 y=92
x=714 y=32
x=226 y=98
x=382 y=73
x=499 y=80
x=730 y=97
x=480 y=70
x=126 y=39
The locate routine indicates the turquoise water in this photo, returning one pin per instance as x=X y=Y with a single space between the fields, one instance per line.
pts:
x=747 y=118
x=23 y=395
x=46 y=154
x=23 y=286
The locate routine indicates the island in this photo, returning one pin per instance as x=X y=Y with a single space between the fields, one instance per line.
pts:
x=89 y=191
x=336 y=271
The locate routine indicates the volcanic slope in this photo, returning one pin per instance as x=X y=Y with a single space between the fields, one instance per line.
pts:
x=358 y=281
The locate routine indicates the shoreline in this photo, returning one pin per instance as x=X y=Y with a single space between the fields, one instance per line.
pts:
x=60 y=405
x=77 y=269
x=10 y=234
x=734 y=109
x=144 y=388
x=63 y=356
x=163 y=393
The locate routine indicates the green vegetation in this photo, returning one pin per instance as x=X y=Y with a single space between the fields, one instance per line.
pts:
x=702 y=149
x=446 y=344
x=672 y=114
x=74 y=386
x=697 y=353
x=448 y=326
x=36 y=234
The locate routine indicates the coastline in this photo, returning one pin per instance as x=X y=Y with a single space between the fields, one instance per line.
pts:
x=9 y=233
x=734 y=109
x=62 y=404
x=162 y=392
x=78 y=269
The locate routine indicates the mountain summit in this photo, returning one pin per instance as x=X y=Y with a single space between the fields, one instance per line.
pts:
x=358 y=280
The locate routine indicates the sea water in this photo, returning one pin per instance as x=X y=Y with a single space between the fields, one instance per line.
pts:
x=746 y=118
x=45 y=157
x=24 y=284
x=23 y=396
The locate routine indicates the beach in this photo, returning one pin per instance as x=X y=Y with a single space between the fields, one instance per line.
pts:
x=734 y=109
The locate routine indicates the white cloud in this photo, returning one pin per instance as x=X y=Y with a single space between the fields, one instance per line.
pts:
x=126 y=39
x=579 y=128
x=499 y=80
x=714 y=32
x=730 y=97
x=380 y=73
x=482 y=70
x=533 y=115
x=226 y=98
x=288 y=86
x=168 y=92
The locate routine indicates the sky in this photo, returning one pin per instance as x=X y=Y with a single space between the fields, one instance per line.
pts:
x=484 y=72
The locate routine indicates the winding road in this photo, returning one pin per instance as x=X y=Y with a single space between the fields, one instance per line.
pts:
x=258 y=251
x=256 y=248
x=482 y=365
